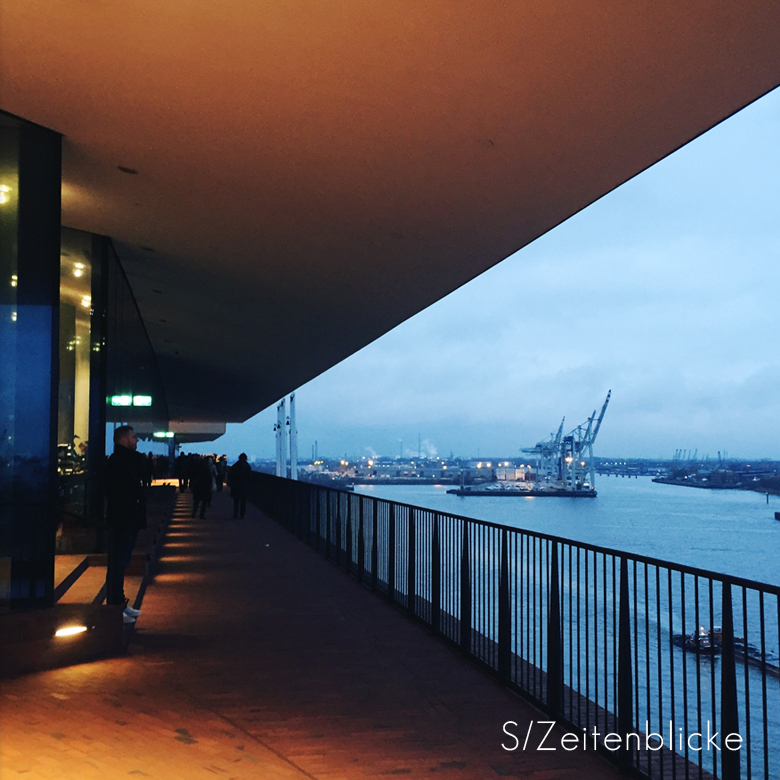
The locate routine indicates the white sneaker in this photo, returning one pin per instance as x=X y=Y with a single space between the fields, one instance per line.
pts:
x=130 y=612
x=126 y=619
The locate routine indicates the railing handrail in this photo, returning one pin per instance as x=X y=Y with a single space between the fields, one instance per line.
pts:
x=684 y=568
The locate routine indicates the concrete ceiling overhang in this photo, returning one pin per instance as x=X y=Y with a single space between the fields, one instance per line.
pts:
x=309 y=175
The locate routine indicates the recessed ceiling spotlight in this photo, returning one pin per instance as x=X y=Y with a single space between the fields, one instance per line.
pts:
x=125 y=169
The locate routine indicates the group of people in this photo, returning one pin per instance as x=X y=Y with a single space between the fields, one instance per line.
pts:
x=128 y=472
x=155 y=467
x=203 y=474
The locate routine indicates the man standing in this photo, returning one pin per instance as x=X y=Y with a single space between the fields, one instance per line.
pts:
x=238 y=478
x=125 y=513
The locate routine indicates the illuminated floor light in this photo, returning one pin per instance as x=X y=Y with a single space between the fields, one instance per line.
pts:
x=70 y=630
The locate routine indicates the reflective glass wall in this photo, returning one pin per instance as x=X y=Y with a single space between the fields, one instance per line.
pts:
x=134 y=386
x=30 y=164
x=75 y=349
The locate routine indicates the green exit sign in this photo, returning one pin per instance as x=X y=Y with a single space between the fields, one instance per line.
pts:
x=131 y=400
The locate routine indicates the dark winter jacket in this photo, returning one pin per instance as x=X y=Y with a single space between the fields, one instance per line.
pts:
x=238 y=478
x=200 y=481
x=125 y=500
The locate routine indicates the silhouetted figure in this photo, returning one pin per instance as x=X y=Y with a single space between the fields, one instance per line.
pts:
x=201 y=484
x=125 y=513
x=238 y=479
x=149 y=470
x=180 y=471
x=221 y=466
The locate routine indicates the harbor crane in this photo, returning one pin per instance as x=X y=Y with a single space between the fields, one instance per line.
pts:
x=568 y=460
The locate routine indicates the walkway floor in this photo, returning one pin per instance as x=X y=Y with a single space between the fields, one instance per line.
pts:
x=255 y=658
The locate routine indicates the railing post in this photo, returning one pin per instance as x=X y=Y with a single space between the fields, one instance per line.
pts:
x=348 y=498
x=435 y=576
x=625 y=703
x=338 y=527
x=391 y=554
x=504 y=613
x=318 y=517
x=554 y=642
x=361 y=542
x=327 y=523
x=465 y=593
x=374 y=543
x=309 y=491
x=729 y=713
x=411 y=585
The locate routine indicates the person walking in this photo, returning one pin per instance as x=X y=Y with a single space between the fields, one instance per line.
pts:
x=238 y=479
x=201 y=485
x=180 y=471
x=125 y=513
x=221 y=465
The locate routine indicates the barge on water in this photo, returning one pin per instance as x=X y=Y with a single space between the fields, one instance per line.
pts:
x=519 y=492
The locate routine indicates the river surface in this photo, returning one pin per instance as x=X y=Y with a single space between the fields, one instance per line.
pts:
x=726 y=531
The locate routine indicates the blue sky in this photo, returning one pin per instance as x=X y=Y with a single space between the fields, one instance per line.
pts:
x=665 y=290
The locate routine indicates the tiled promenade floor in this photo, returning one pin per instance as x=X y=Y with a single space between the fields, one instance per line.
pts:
x=255 y=658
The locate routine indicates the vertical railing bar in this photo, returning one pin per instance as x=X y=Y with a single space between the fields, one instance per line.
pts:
x=648 y=707
x=327 y=523
x=596 y=636
x=605 y=708
x=615 y=634
x=747 y=682
x=698 y=674
x=465 y=593
x=715 y=719
x=684 y=673
x=554 y=639
x=318 y=518
x=504 y=615
x=374 y=544
x=337 y=521
x=411 y=585
x=579 y=643
x=361 y=564
x=350 y=542
x=587 y=641
x=391 y=542
x=660 y=663
x=729 y=720
x=435 y=576
x=635 y=622
x=672 y=707
x=623 y=672
x=764 y=711
x=571 y=637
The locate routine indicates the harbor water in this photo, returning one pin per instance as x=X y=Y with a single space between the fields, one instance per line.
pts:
x=727 y=531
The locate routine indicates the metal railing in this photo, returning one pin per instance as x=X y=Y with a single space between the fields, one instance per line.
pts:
x=652 y=663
